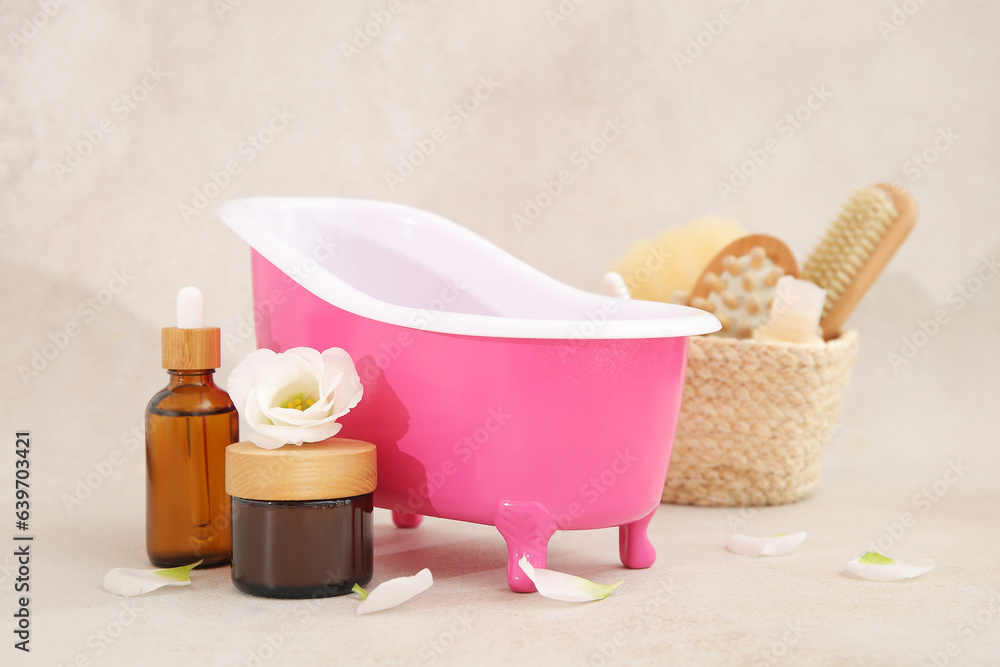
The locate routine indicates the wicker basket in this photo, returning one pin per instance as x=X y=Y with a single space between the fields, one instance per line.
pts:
x=755 y=419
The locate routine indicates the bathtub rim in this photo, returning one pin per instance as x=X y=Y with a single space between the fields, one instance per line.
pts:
x=679 y=321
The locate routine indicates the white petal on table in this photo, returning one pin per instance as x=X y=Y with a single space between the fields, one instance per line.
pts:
x=876 y=567
x=777 y=545
x=395 y=592
x=565 y=587
x=128 y=582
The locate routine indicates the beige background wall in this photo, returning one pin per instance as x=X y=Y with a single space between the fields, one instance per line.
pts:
x=99 y=246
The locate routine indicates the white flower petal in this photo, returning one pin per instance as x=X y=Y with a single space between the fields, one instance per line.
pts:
x=332 y=377
x=777 y=545
x=876 y=567
x=294 y=417
x=395 y=592
x=265 y=441
x=565 y=587
x=257 y=421
x=129 y=582
x=277 y=384
x=287 y=368
x=244 y=376
x=311 y=357
x=284 y=376
x=336 y=360
x=348 y=396
x=296 y=435
x=341 y=380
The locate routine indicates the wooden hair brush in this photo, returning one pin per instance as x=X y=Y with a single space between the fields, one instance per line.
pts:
x=857 y=246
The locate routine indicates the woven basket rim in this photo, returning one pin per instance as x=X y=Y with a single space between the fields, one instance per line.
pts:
x=846 y=338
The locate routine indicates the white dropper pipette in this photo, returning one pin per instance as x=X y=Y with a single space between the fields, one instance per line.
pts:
x=190 y=309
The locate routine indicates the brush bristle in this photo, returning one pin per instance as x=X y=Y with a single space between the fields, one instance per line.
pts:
x=849 y=242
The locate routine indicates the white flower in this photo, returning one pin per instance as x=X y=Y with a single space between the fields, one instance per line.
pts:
x=295 y=396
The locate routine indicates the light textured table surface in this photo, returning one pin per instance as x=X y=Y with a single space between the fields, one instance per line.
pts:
x=699 y=604
x=117 y=119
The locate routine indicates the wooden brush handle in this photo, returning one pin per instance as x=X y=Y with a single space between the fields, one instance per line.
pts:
x=906 y=216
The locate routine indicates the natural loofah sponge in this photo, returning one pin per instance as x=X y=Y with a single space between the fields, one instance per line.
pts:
x=654 y=269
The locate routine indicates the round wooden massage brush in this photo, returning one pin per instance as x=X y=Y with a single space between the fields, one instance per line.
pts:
x=738 y=285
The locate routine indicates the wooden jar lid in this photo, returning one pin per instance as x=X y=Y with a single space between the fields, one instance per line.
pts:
x=327 y=470
x=191 y=349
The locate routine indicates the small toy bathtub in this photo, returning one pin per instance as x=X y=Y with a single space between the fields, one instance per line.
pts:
x=494 y=393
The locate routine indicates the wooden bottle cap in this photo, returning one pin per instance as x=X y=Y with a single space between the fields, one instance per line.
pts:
x=191 y=349
x=333 y=468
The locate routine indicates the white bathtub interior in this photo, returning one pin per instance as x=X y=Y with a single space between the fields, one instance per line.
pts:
x=421 y=262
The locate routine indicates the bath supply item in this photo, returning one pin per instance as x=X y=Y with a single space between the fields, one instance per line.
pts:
x=655 y=269
x=739 y=283
x=495 y=394
x=680 y=297
x=189 y=424
x=756 y=418
x=302 y=517
x=614 y=285
x=190 y=345
x=857 y=246
x=795 y=312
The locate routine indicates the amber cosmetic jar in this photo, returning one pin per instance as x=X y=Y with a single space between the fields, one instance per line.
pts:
x=302 y=517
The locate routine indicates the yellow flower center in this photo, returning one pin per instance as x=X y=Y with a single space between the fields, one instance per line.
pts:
x=298 y=402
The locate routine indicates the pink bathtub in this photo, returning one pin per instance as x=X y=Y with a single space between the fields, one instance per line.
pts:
x=494 y=393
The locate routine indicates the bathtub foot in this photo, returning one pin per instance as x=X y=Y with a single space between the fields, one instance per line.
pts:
x=405 y=519
x=526 y=527
x=633 y=544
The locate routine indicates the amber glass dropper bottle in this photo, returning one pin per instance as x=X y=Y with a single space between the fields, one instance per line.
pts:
x=189 y=424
